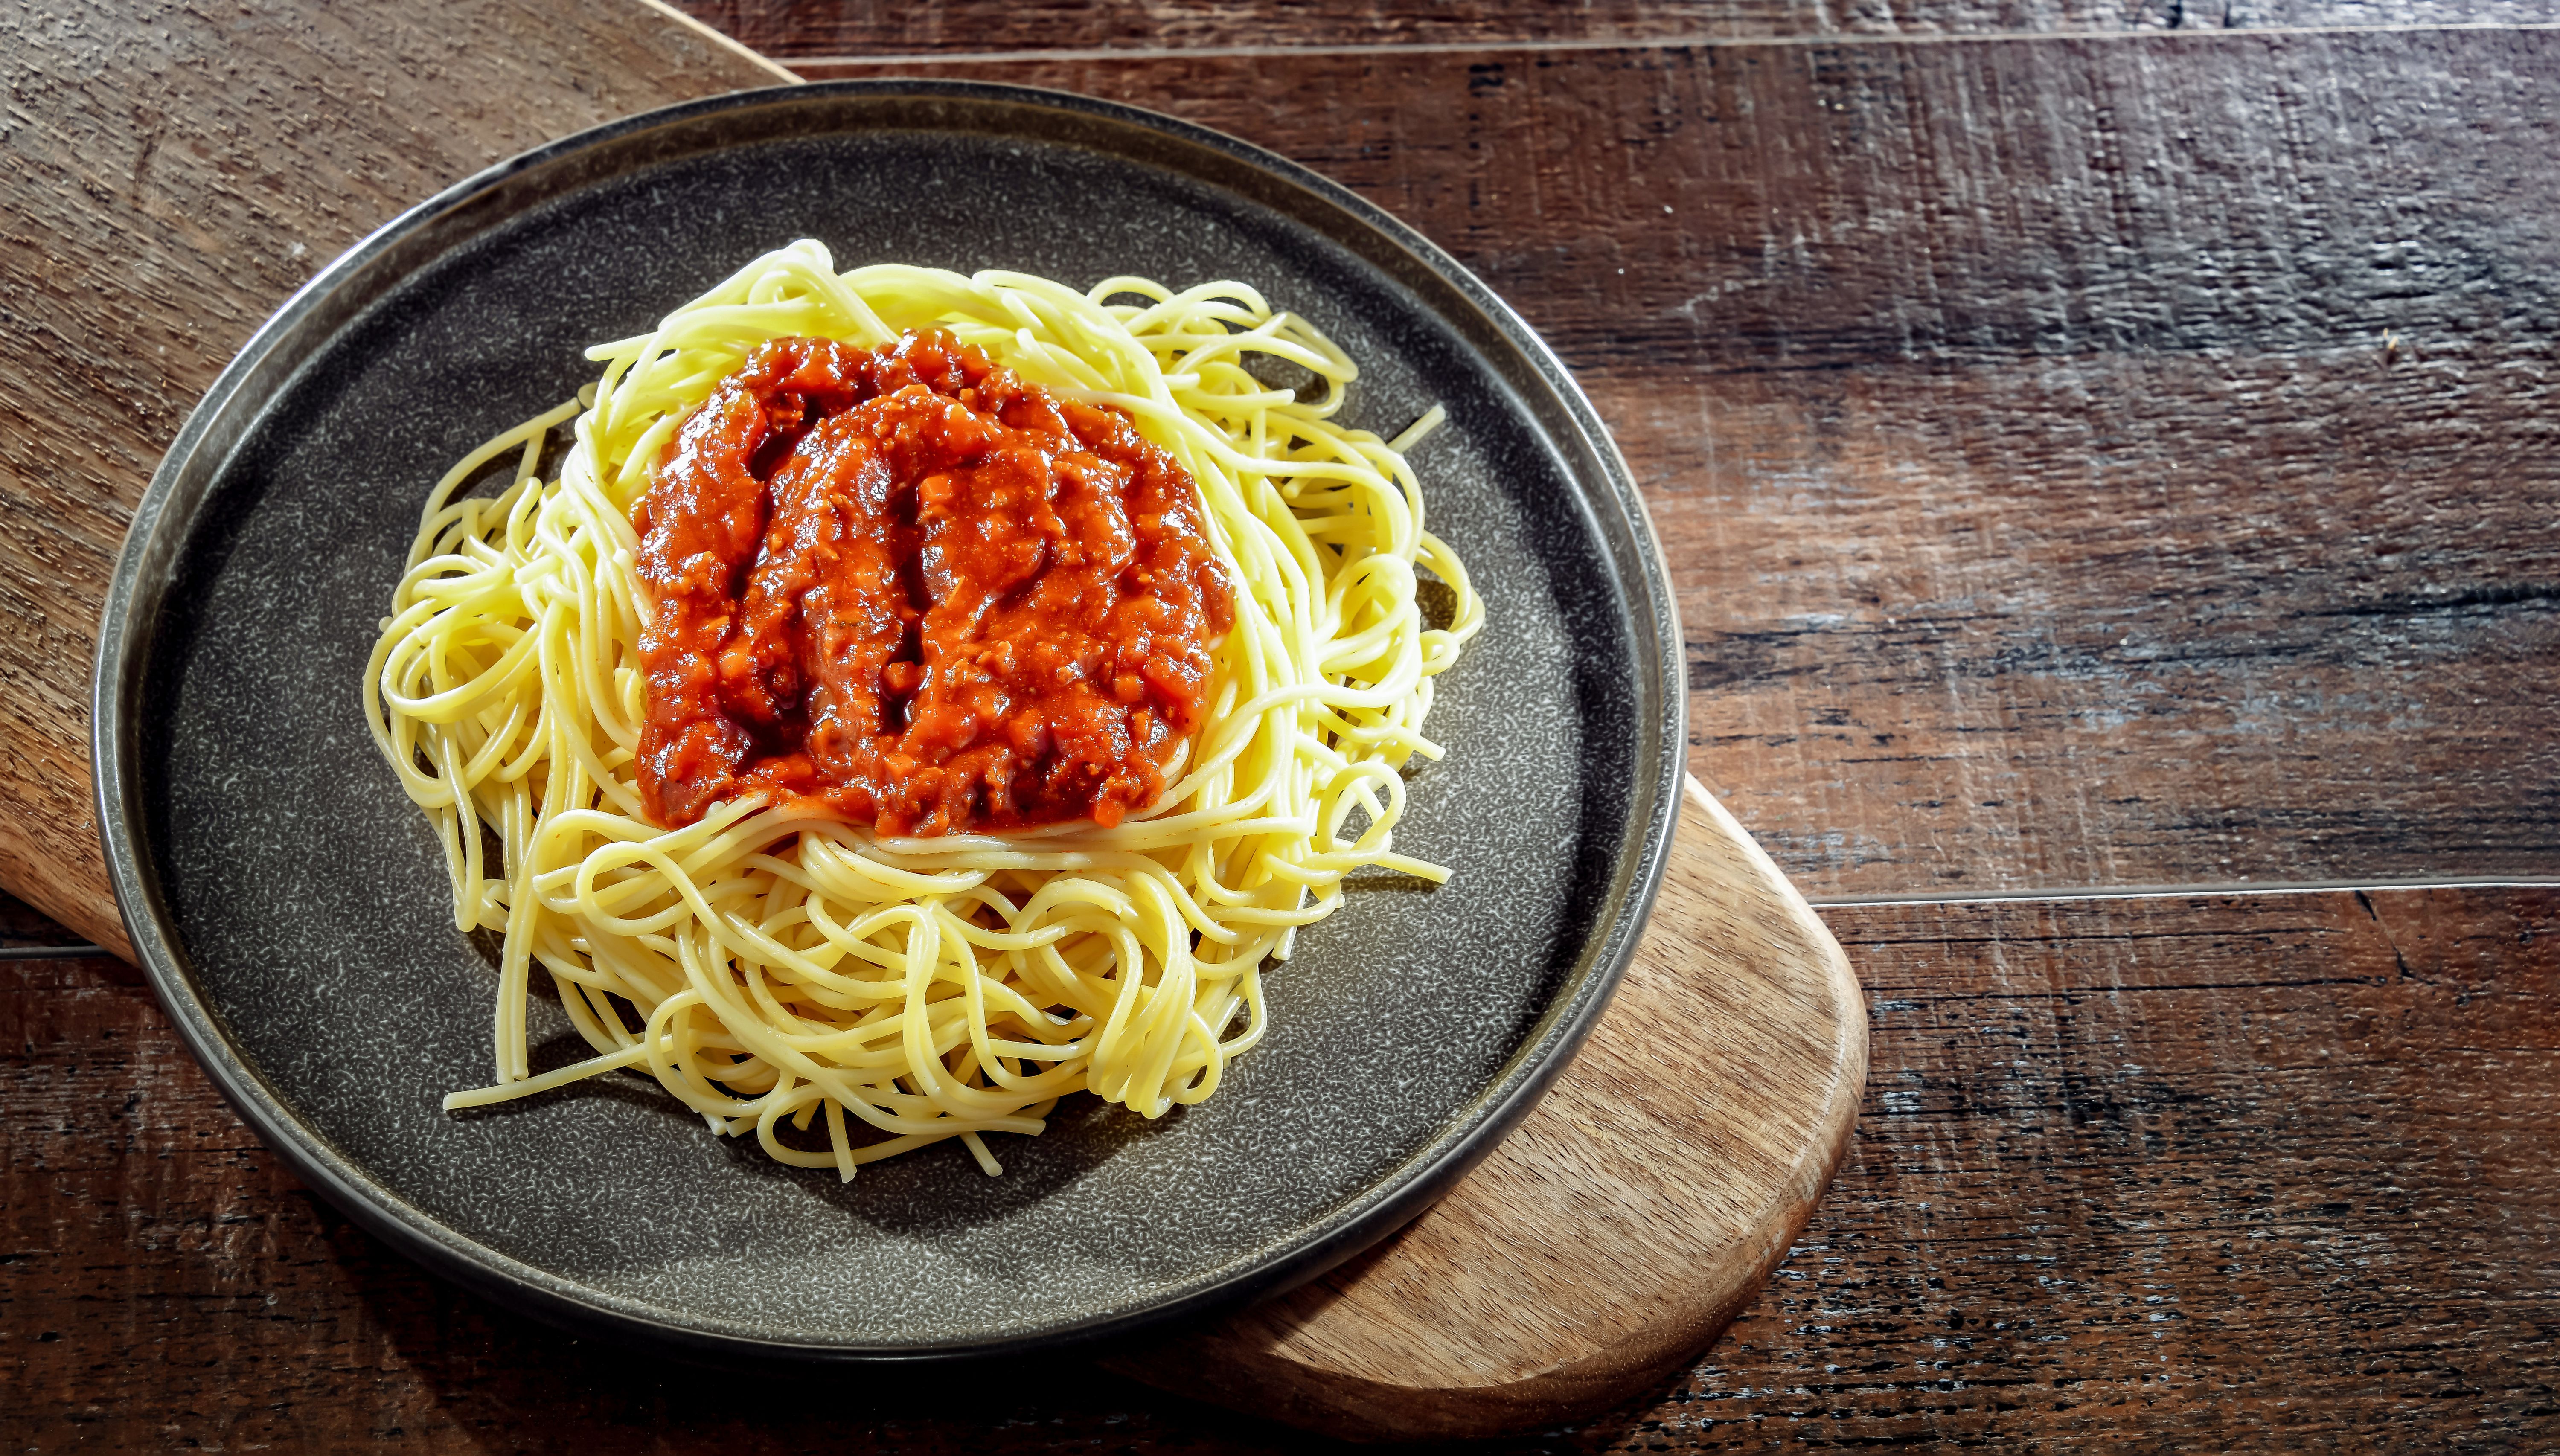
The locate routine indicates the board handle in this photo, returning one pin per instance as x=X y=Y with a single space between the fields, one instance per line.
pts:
x=1637 y=1209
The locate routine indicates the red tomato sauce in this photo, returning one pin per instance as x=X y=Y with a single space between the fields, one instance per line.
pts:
x=906 y=585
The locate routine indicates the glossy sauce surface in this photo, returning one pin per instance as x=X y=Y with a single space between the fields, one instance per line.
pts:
x=905 y=583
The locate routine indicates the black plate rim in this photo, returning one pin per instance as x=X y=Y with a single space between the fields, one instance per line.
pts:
x=195 y=463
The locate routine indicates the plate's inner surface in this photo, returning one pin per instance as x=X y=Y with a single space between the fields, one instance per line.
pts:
x=311 y=899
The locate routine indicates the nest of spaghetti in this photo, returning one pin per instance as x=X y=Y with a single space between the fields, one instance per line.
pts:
x=773 y=955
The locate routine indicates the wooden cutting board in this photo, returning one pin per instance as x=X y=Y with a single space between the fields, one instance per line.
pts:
x=175 y=171
x=1636 y=1209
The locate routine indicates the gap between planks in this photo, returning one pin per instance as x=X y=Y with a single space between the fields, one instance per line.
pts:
x=1832 y=38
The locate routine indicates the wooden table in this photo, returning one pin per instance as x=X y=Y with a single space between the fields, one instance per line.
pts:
x=2111 y=457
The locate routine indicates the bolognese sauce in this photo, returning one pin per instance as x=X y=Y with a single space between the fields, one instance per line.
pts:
x=908 y=585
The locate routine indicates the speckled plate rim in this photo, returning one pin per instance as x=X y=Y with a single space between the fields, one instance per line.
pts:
x=198 y=460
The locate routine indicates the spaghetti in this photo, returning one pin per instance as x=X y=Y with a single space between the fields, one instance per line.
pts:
x=846 y=994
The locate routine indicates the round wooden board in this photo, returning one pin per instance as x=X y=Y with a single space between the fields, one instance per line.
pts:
x=1632 y=1214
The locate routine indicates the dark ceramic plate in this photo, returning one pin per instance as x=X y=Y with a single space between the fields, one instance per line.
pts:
x=290 y=907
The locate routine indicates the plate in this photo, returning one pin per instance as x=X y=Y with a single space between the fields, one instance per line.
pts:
x=289 y=906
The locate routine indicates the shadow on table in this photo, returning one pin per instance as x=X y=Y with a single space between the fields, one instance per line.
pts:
x=455 y=1369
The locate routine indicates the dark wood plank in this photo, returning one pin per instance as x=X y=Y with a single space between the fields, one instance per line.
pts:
x=174 y=172
x=2264 y=1172
x=799 y=30
x=2085 y=463
x=2267 y=1171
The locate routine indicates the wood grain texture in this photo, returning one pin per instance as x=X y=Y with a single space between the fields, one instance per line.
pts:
x=2263 y=1171
x=1621 y=1225
x=2266 y=1172
x=2082 y=462
x=798 y=30
x=175 y=170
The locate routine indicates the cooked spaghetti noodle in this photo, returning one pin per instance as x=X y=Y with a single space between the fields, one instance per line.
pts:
x=773 y=963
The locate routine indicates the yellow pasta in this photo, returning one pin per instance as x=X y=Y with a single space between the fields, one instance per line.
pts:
x=773 y=965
